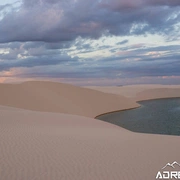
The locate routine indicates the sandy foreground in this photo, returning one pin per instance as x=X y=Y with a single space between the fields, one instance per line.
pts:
x=56 y=146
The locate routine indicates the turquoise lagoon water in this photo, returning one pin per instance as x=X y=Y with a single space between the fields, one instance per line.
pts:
x=160 y=116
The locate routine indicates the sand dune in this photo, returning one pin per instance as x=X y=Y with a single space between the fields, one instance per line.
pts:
x=55 y=146
x=141 y=92
x=158 y=93
x=49 y=146
x=63 y=98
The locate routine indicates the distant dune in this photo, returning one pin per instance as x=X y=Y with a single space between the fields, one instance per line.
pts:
x=62 y=98
x=158 y=93
x=141 y=92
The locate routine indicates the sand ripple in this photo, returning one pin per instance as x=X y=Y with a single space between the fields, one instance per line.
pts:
x=47 y=146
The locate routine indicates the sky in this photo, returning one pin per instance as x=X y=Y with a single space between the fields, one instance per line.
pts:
x=90 y=42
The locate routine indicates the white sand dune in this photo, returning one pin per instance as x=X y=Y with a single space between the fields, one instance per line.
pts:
x=141 y=92
x=158 y=93
x=49 y=146
x=55 y=146
x=63 y=98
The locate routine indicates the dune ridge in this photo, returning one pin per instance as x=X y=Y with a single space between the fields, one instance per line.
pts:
x=158 y=93
x=141 y=92
x=62 y=98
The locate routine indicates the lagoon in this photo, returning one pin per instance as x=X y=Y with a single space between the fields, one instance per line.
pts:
x=160 y=116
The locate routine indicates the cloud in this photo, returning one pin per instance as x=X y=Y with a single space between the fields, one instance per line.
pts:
x=2 y=7
x=59 y=38
x=33 y=57
x=121 y=5
x=57 y=21
x=123 y=42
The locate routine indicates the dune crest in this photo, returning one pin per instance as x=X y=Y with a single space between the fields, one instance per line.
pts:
x=141 y=92
x=63 y=98
x=158 y=93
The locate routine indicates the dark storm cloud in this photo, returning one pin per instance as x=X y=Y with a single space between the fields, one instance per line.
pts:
x=164 y=2
x=169 y=58
x=163 y=69
x=123 y=42
x=170 y=48
x=129 y=4
x=10 y=45
x=37 y=61
x=142 y=49
x=59 y=45
x=139 y=69
x=60 y=20
x=32 y=45
x=11 y=51
x=80 y=74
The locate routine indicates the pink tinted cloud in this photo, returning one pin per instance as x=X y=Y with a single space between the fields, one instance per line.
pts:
x=121 y=4
x=124 y=53
x=87 y=27
x=138 y=45
x=134 y=4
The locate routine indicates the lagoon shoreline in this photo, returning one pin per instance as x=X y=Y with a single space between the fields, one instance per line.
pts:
x=155 y=116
